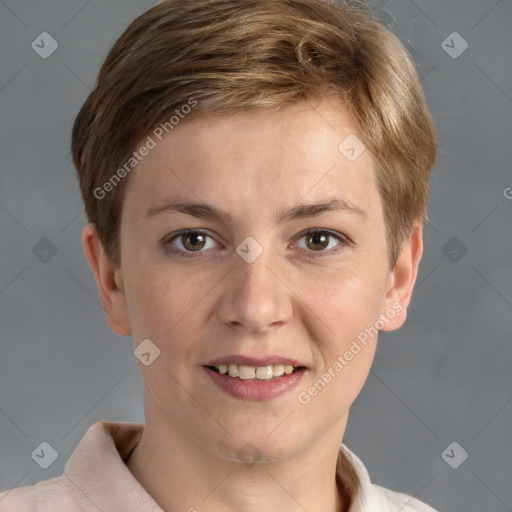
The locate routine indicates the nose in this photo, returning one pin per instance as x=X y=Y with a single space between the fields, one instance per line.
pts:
x=255 y=297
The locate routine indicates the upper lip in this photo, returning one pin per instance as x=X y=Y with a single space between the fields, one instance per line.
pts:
x=254 y=361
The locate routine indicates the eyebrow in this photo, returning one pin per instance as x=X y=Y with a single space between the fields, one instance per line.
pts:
x=300 y=211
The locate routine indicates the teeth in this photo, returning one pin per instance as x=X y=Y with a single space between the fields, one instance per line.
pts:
x=246 y=372
x=250 y=372
x=277 y=370
x=264 y=372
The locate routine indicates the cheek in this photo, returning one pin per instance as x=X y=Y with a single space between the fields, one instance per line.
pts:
x=159 y=303
x=343 y=304
x=341 y=316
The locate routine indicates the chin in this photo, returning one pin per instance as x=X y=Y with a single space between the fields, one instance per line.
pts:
x=251 y=445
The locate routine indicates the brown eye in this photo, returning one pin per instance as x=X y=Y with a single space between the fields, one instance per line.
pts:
x=193 y=241
x=317 y=240
x=189 y=242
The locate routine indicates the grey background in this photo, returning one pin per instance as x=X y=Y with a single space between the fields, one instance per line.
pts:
x=445 y=376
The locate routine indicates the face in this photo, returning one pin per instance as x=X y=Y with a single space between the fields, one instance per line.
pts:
x=258 y=281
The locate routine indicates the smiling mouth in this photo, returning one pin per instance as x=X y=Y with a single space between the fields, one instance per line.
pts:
x=243 y=372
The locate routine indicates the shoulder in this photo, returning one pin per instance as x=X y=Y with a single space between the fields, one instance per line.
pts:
x=398 y=501
x=94 y=478
x=43 y=496
x=370 y=497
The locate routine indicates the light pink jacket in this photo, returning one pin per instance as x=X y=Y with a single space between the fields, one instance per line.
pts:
x=96 y=478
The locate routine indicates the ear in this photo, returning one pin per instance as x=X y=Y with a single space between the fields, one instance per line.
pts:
x=401 y=281
x=108 y=280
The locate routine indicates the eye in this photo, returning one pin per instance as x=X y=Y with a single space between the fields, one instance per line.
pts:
x=318 y=239
x=191 y=241
x=194 y=240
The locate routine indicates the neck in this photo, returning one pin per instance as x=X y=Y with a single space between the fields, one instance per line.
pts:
x=181 y=474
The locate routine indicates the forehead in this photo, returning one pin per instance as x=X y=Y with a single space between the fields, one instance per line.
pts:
x=258 y=160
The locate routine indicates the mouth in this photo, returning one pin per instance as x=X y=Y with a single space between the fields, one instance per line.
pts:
x=255 y=373
x=255 y=378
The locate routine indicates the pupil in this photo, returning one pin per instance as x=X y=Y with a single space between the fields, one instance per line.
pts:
x=193 y=237
x=317 y=236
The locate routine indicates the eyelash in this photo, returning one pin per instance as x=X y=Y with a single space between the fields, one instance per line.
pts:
x=345 y=241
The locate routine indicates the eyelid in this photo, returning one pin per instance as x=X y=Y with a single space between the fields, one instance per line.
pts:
x=341 y=237
x=167 y=241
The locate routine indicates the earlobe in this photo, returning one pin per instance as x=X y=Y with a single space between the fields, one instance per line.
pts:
x=402 y=280
x=108 y=280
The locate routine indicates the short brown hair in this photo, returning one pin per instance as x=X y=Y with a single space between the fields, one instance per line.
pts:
x=232 y=55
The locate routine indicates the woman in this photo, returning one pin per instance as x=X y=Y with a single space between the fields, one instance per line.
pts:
x=255 y=176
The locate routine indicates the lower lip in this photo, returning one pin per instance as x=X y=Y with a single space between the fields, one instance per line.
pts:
x=256 y=389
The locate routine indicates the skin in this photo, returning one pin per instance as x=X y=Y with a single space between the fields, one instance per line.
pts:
x=254 y=165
